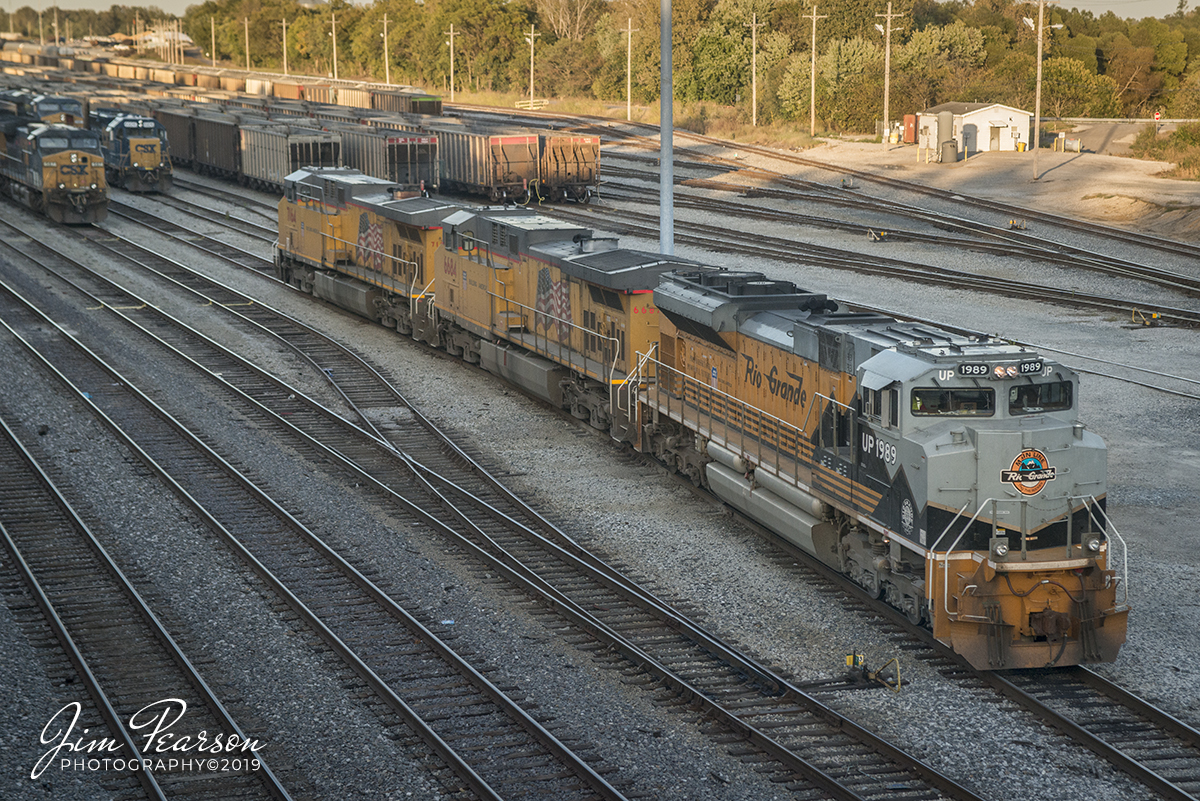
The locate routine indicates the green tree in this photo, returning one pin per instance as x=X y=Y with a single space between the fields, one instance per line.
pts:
x=1070 y=89
x=1083 y=49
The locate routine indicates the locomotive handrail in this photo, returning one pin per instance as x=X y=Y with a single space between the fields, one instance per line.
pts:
x=612 y=368
x=945 y=559
x=818 y=428
x=748 y=409
x=628 y=381
x=1107 y=528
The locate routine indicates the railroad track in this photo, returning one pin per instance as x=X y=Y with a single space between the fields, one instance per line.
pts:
x=1150 y=379
x=977 y=237
x=1154 y=747
x=724 y=239
x=646 y=136
x=188 y=236
x=811 y=747
x=1135 y=736
x=492 y=745
x=128 y=662
x=263 y=232
x=243 y=198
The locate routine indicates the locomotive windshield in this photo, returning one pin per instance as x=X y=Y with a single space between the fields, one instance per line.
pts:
x=1034 y=398
x=60 y=107
x=933 y=402
x=83 y=140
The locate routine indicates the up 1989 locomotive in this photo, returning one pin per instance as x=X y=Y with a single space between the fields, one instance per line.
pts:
x=948 y=474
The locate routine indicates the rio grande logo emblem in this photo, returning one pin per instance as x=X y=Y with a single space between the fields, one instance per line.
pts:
x=1030 y=472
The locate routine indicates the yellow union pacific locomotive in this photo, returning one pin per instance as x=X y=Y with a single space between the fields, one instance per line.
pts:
x=56 y=170
x=948 y=474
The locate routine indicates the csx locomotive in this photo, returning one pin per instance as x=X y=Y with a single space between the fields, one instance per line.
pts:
x=136 y=152
x=31 y=107
x=56 y=170
x=948 y=474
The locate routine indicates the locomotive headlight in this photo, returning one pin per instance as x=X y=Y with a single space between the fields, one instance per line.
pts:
x=1011 y=371
x=999 y=547
x=998 y=371
x=93 y=186
x=74 y=157
x=1092 y=544
x=62 y=186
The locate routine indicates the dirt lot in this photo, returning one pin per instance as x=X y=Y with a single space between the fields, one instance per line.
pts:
x=1119 y=191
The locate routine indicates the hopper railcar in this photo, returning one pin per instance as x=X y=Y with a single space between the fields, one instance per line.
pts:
x=56 y=170
x=947 y=474
x=137 y=153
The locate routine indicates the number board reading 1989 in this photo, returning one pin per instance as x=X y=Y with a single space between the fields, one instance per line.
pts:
x=980 y=370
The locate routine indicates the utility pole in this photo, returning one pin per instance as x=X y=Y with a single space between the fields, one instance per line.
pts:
x=451 y=43
x=247 y=21
x=887 y=69
x=334 y=18
x=212 y=23
x=666 y=143
x=754 y=26
x=629 y=31
x=387 y=67
x=56 y=26
x=1037 y=103
x=812 y=89
x=41 y=32
x=285 y=72
x=532 y=36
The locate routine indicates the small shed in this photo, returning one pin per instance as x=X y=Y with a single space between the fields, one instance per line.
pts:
x=977 y=127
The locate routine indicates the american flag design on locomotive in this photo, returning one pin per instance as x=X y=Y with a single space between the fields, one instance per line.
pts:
x=370 y=243
x=553 y=299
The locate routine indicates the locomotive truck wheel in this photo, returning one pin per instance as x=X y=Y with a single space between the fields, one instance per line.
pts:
x=913 y=610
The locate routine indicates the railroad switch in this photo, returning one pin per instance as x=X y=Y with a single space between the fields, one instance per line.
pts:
x=1017 y=225
x=888 y=675
x=858 y=676
x=1142 y=318
x=877 y=236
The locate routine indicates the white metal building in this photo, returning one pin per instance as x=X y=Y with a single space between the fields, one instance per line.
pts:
x=978 y=127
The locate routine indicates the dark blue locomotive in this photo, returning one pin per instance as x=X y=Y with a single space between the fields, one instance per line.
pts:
x=136 y=150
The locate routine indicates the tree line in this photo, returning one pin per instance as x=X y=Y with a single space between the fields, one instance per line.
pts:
x=940 y=51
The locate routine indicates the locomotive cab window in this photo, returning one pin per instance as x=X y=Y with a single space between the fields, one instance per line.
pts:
x=935 y=402
x=882 y=405
x=1035 y=398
